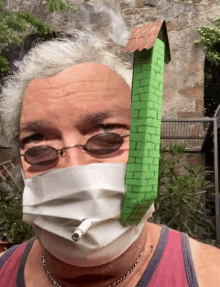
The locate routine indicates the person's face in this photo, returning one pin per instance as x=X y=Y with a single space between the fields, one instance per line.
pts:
x=67 y=109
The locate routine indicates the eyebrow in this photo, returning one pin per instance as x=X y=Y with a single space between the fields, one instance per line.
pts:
x=84 y=125
x=87 y=122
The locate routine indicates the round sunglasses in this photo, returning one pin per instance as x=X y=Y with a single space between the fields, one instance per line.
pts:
x=101 y=144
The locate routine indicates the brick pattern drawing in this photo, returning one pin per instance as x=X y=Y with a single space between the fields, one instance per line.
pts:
x=143 y=162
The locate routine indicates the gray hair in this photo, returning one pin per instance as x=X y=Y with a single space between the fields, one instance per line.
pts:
x=46 y=60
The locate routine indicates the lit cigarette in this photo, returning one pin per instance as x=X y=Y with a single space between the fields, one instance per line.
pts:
x=81 y=229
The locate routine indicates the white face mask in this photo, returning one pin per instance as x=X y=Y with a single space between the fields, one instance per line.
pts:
x=56 y=202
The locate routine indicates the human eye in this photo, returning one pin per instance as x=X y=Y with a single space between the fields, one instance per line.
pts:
x=119 y=129
x=114 y=127
x=33 y=138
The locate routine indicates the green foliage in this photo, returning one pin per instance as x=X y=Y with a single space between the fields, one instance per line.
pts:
x=59 y=5
x=3 y=64
x=41 y=27
x=182 y=196
x=11 y=223
x=14 y=25
x=209 y=37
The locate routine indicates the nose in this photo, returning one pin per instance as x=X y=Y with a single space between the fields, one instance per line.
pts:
x=76 y=156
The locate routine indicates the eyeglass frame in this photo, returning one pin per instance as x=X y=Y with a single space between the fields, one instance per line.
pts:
x=61 y=152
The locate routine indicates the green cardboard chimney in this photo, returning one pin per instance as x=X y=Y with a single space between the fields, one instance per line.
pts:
x=151 y=51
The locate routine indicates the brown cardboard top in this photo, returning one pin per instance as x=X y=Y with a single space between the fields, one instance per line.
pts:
x=144 y=37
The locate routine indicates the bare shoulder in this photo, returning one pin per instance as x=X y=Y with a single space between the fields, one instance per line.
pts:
x=2 y=253
x=206 y=259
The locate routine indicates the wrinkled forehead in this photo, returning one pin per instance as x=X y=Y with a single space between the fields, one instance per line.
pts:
x=79 y=78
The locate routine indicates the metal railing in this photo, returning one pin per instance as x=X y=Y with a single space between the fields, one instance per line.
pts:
x=5 y=171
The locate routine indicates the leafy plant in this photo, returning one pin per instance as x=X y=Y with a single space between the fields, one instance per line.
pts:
x=209 y=37
x=181 y=201
x=15 y=25
x=59 y=5
x=11 y=224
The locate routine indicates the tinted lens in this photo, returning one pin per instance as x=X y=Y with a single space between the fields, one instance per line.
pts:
x=104 y=143
x=41 y=155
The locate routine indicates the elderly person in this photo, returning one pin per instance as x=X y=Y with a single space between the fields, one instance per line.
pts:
x=71 y=100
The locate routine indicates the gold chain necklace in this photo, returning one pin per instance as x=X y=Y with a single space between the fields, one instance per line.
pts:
x=54 y=283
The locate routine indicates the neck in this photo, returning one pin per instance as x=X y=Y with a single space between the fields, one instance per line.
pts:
x=103 y=275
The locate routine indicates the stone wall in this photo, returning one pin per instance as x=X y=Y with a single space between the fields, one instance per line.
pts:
x=184 y=75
